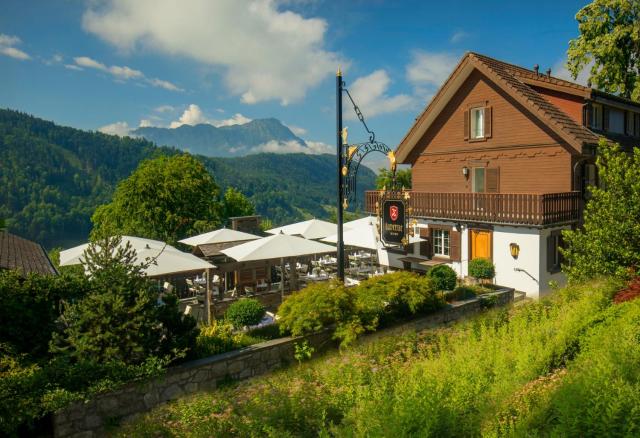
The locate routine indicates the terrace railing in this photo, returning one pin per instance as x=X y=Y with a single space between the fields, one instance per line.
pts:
x=503 y=208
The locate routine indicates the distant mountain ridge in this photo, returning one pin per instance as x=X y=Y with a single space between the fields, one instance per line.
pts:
x=53 y=177
x=223 y=141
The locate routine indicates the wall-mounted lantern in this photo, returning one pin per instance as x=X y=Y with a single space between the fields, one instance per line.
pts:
x=465 y=171
x=514 y=248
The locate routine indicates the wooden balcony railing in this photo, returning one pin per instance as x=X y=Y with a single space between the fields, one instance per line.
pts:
x=503 y=208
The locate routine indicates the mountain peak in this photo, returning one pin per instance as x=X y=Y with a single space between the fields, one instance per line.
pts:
x=223 y=141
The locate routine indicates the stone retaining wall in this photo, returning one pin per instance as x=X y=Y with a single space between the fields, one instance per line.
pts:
x=89 y=419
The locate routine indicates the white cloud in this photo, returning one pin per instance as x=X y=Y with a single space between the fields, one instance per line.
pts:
x=458 y=36
x=9 y=40
x=118 y=128
x=6 y=47
x=145 y=123
x=561 y=71
x=73 y=67
x=164 y=84
x=297 y=130
x=164 y=109
x=430 y=68
x=292 y=147
x=14 y=53
x=427 y=71
x=266 y=53
x=193 y=115
x=122 y=73
x=236 y=119
x=370 y=94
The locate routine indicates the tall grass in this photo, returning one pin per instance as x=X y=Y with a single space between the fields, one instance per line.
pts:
x=504 y=373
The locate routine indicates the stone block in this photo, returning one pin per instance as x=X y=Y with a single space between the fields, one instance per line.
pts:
x=92 y=421
x=151 y=399
x=200 y=376
x=235 y=367
x=209 y=385
x=84 y=434
x=245 y=373
x=218 y=369
x=172 y=392
x=107 y=405
x=190 y=388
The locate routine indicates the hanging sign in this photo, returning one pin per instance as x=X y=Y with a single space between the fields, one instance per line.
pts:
x=393 y=231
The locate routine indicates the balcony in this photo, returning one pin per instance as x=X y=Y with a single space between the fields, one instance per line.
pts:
x=497 y=208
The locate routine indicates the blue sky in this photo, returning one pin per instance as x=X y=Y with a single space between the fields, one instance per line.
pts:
x=119 y=64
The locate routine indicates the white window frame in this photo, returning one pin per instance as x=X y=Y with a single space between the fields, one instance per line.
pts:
x=476 y=134
x=441 y=243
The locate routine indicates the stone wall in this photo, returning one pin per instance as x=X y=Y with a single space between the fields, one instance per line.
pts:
x=89 y=419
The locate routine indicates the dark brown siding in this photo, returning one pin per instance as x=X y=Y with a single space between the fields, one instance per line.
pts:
x=531 y=158
x=569 y=104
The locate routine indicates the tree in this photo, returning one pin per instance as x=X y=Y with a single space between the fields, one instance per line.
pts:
x=234 y=203
x=123 y=319
x=385 y=179
x=609 y=241
x=165 y=198
x=610 y=39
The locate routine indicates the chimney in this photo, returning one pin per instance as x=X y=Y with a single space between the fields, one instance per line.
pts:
x=548 y=72
x=536 y=68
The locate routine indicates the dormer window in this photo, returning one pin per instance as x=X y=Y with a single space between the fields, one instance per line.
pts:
x=477 y=123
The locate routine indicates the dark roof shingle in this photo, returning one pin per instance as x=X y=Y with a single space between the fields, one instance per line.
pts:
x=24 y=255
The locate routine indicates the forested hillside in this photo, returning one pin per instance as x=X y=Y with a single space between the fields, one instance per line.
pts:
x=52 y=178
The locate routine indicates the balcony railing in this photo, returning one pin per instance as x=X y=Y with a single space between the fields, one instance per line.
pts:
x=502 y=208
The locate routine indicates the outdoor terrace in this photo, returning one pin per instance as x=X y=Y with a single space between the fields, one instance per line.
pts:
x=499 y=208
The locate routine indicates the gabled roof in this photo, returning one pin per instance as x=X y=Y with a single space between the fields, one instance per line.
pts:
x=514 y=81
x=24 y=255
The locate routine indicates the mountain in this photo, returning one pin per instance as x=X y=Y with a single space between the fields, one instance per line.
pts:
x=223 y=141
x=52 y=178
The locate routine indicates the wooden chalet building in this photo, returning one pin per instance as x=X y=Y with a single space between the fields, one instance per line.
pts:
x=501 y=158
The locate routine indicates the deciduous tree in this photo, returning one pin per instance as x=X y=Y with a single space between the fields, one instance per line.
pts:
x=609 y=42
x=609 y=241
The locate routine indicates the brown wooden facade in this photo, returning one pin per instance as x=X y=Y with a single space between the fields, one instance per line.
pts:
x=538 y=139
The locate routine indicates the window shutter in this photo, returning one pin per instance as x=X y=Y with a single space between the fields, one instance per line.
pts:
x=625 y=121
x=487 y=121
x=561 y=245
x=492 y=181
x=637 y=124
x=466 y=124
x=426 y=249
x=586 y=114
x=605 y=118
x=454 y=246
x=550 y=252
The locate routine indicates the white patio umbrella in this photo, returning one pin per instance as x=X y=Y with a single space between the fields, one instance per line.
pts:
x=311 y=229
x=223 y=235
x=280 y=246
x=169 y=260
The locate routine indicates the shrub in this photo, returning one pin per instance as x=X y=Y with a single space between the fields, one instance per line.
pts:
x=443 y=276
x=316 y=307
x=462 y=293
x=216 y=338
x=482 y=269
x=245 y=312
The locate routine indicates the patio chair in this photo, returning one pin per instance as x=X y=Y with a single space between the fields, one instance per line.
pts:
x=168 y=287
x=261 y=285
x=188 y=310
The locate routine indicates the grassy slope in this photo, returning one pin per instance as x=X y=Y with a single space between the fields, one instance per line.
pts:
x=565 y=366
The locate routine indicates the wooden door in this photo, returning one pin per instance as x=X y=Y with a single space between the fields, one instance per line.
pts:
x=480 y=244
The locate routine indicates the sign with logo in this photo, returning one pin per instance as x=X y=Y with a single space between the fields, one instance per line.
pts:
x=394 y=225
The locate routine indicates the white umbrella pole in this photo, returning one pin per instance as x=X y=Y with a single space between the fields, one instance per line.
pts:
x=207 y=300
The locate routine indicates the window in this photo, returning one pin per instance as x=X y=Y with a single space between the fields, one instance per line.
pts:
x=631 y=123
x=477 y=184
x=596 y=116
x=477 y=123
x=616 y=121
x=441 y=242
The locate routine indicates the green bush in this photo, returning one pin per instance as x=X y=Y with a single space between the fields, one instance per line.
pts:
x=245 y=312
x=462 y=293
x=482 y=269
x=316 y=307
x=443 y=276
x=352 y=311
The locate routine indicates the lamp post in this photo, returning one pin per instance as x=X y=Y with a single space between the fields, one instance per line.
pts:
x=340 y=176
